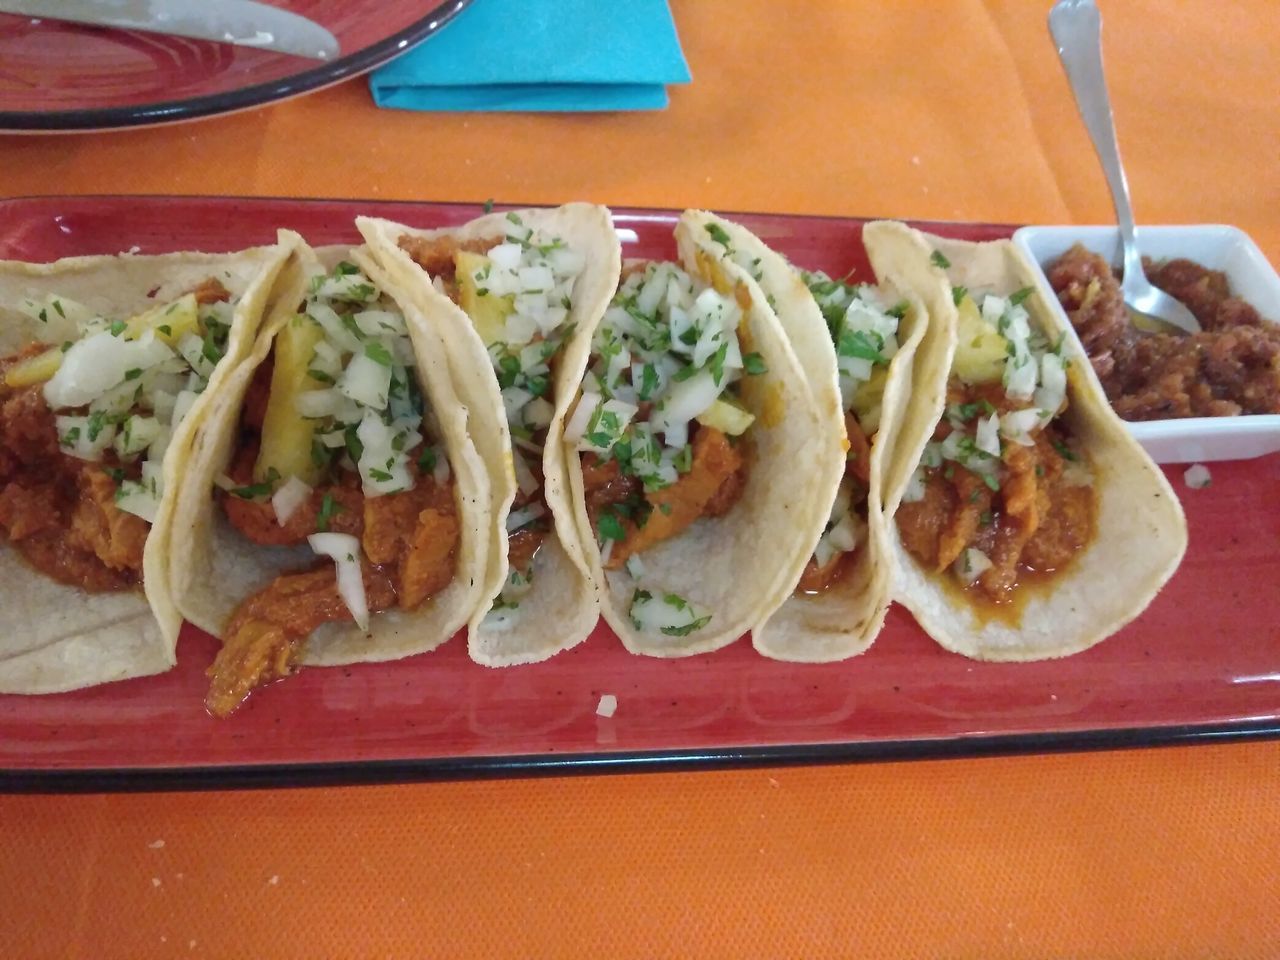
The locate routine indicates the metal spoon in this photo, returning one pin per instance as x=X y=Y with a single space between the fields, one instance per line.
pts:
x=1076 y=27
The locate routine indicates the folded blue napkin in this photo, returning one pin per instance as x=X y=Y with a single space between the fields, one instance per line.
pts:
x=544 y=55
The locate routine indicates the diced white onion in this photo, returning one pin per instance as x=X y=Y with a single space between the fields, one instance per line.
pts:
x=634 y=566
x=344 y=549
x=138 y=499
x=1017 y=426
x=525 y=478
x=524 y=516
x=366 y=381
x=576 y=428
x=971 y=564
x=293 y=493
x=98 y=362
x=988 y=435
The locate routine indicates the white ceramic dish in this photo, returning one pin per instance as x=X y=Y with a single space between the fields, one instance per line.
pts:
x=1250 y=276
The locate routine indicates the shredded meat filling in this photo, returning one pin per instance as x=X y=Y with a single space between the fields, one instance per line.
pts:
x=266 y=631
x=1041 y=515
x=1231 y=368
x=714 y=483
x=59 y=512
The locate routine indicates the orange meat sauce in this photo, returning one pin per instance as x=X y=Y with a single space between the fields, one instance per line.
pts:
x=1031 y=522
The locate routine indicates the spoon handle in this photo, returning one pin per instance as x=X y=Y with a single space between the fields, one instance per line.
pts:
x=1076 y=27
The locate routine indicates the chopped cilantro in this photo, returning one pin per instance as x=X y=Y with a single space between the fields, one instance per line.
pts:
x=754 y=364
x=611 y=527
x=958 y=294
x=1020 y=295
x=378 y=353
x=320 y=376
x=990 y=480
x=255 y=490
x=938 y=260
x=718 y=234
x=328 y=508
x=57 y=305
x=857 y=344
x=426 y=460
x=684 y=459
x=355 y=449
x=1064 y=451
x=133 y=374
x=380 y=475
x=117 y=327
x=488 y=205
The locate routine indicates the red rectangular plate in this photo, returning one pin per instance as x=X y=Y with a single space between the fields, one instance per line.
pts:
x=1202 y=662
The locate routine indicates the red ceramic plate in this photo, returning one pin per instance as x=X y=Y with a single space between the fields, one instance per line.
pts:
x=1202 y=662
x=65 y=77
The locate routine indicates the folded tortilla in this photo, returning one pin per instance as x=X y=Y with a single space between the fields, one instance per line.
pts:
x=742 y=566
x=55 y=637
x=213 y=567
x=1141 y=533
x=561 y=607
x=844 y=619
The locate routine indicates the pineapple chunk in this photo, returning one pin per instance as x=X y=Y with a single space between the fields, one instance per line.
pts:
x=170 y=321
x=487 y=312
x=286 y=434
x=981 y=351
x=727 y=417
x=35 y=369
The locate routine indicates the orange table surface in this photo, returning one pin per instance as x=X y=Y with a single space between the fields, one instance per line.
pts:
x=911 y=109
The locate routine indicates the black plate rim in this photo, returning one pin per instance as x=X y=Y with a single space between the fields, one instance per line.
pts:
x=192 y=108
x=438 y=769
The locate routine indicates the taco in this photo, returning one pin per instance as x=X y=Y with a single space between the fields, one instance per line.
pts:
x=515 y=296
x=692 y=420
x=858 y=344
x=1032 y=525
x=108 y=366
x=333 y=509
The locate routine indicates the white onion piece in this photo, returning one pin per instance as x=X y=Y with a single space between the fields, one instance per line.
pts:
x=582 y=414
x=525 y=479
x=1017 y=426
x=338 y=335
x=686 y=400
x=135 y=435
x=366 y=381
x=1053 y=378
x=988 y=435
x=344 y=549
x=524 y=516
x=73 y=437
x=634 y=566
x=915 y=488
x=654 y=614
x=971 y=564
x=539 y=413
x=138 y=499
x=293 y=493
x=95 y=364
x=440 y=474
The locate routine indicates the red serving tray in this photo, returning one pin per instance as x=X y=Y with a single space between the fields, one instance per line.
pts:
x=1202 y=662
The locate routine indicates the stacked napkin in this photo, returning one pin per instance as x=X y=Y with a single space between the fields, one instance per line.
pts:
x=543 y=55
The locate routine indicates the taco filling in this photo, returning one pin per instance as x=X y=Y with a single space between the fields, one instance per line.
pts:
x=864 y=329
x=517 y=289
x=1003 y=492
x=661 y=434
x=335 y=451
x=84 y=426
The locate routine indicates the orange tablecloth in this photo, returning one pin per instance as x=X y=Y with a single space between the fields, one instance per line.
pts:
x=953 y=110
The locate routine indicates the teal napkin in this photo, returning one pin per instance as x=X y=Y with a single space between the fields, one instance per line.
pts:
x=543 y=55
